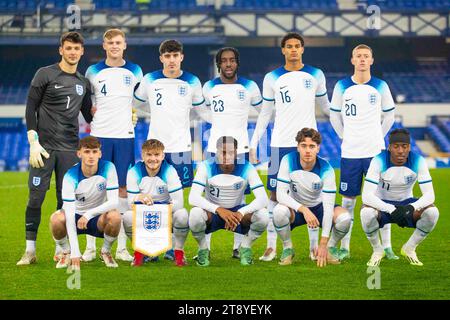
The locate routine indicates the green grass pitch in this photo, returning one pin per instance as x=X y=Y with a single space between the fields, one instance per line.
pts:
x=225 y=278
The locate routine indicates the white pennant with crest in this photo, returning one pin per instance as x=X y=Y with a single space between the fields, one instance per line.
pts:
x=152 y=228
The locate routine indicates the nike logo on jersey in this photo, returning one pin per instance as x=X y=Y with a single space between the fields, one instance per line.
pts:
x=216 y=96
x=348 y=99
x=283 y=87
x=58 y=87
x=100 y=81
x=157 y=89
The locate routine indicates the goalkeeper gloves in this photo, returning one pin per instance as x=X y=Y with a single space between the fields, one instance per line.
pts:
x=402 y=214
x=134 y=117
x=36 y=150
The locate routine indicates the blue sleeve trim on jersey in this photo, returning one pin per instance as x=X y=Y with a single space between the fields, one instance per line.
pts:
x=133 y=192
x=335 y=110
x=258 y=186
x=174 y=190
x=257 y=104
x=329 y=191
x=389 y=109
x=137 y=98
x=268 y=99
x=112 y=188
x=321 y=95
x=426 y=181
x=283 y=180
x=368 y=180
x=197 y=104
x=69 y=200
x=199 y=183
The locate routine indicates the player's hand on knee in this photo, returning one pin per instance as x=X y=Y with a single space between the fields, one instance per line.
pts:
x=310 y=218
x=401 y=215
x=82 y=223
x=36 y=150
x=231 y=221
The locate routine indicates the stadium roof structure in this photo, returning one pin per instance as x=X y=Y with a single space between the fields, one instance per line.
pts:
x=207 y=25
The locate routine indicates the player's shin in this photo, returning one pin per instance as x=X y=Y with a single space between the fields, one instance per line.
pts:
x=180 y=228
x=340 y=229
x=281 y=221
x=313 y=234
x=349 y=204
x=385 y=234
x=208 y=240
x=90 y=243
x=271 y=232
x=424 y=226
x=197 y=224
x=122 y=238
x=127 y=220
x=259 y=222
x=237 y=240
x=371 y=226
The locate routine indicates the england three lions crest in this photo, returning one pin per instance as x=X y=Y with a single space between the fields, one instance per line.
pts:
x=182 y=90
x=240 y=95
x=372 y=98
x=79 y=89
x=152 y=220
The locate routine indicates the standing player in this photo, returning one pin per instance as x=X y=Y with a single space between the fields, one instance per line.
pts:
x=90 y=200
x=388 y=197
x=292 y=91
x=57 y=94
x=230 y=99
x=113 y=81
x=171 y=93
x=154 y=180
x=356 y=108
x=224 y=181
x=306 y=191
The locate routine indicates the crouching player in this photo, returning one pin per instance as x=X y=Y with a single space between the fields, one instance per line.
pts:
x=154 y=180
x=223 y=206
x=388 y=197
x=90 y=195
x=306 y=191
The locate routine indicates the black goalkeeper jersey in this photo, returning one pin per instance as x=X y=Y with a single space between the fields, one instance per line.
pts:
x=54 y=102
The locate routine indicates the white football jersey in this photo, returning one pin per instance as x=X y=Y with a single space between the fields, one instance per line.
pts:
x=360 y=106
x=306 y=187
x=158 y=187
x=226 y=190
x=294 y=94
x=230 y=105
x=112 y=88
x=88 y=193
x=170 y=102
x=395 y=183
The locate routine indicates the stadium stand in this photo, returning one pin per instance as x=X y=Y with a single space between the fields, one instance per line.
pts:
x=238 y=5
x=402 y=5
x=439 y=132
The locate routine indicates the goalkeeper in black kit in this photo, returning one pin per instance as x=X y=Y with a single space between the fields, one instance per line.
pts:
x=57 y=95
